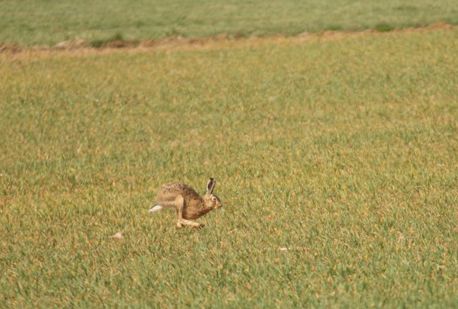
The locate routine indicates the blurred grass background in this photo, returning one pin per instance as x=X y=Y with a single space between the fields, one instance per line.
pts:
x=336 y=160
x=43 y=22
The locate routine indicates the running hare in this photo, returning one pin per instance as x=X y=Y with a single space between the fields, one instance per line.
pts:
x=187 y=202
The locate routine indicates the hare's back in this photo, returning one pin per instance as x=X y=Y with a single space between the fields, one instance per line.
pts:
x=171 y=190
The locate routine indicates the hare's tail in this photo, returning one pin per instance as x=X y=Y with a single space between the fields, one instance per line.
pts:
x=155 y=208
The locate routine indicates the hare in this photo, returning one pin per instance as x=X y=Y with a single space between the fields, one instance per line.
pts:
x=188 y=203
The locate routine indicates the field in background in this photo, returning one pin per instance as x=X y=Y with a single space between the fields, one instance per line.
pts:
x=41 y=22
x=336 y=160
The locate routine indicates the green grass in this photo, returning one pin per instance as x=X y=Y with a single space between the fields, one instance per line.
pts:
x=38 y=22
x=343 y=151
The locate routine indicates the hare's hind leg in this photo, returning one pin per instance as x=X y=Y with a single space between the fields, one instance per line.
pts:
x=179 y=202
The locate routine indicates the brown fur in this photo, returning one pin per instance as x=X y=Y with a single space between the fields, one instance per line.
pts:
x=194 y=206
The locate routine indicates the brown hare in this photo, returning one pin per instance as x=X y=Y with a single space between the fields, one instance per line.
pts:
x=187 y=202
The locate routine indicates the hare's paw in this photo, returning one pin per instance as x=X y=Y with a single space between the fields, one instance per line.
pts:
x=195 y=224
x=183 y=222
x=200 y=225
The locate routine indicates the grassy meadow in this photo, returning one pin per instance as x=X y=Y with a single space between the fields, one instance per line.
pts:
x=44 y=22
x=336 y=160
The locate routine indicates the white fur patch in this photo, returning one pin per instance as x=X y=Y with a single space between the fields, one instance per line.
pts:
x=155 y=209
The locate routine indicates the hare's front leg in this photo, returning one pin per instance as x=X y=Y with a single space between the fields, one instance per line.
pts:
x=179 y=202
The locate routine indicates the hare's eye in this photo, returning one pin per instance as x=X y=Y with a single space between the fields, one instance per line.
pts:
x=213 y=199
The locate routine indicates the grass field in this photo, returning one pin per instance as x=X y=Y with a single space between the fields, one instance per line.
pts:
x=337 y=161
x=38 y=22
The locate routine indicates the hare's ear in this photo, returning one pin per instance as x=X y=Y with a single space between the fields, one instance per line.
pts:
x=211 y=185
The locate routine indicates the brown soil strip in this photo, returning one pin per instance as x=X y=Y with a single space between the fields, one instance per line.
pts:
x=221 y=41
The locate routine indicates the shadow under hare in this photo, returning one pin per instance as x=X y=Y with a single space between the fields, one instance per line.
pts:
x=189 y=205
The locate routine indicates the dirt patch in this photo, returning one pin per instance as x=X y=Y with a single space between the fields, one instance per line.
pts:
x=219 y=41
x=71 y=44
x=12 y=48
